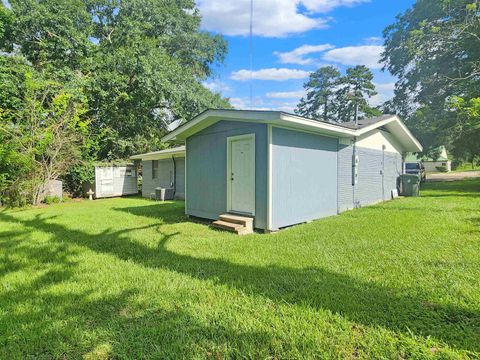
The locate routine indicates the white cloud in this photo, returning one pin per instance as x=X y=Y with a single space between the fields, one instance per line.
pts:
x=373 y=40
x=243 y=103
x=296 y=56
x=385 y=92
x=269 y=74
x=286 y=94
x=368 y=55
x=239 y=103
x=323 y=6
x=271 y=18
x=216 y=86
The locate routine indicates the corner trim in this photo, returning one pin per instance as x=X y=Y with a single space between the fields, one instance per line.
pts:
x=269 y=178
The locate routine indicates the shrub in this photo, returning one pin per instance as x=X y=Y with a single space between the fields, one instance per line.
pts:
x=49 y=199
x=441 y=168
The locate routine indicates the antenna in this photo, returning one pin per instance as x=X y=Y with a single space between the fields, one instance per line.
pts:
x=250 y=48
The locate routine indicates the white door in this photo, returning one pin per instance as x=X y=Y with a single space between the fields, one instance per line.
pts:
x=106 y=181
x=242 y=174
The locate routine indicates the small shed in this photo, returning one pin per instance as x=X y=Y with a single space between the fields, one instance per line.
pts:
x=115 y=180
x=165 y=169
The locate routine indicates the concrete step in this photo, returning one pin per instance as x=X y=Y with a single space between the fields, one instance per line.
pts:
x=237 y=219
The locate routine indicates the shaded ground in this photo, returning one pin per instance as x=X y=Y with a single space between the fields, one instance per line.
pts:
x=132 y=278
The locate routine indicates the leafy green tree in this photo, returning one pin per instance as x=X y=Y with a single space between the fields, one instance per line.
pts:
x=319 y=103
x=434 y=50
x=354 y=90
x=151 y=58
x=466 y=140
x=6 y=29
x=52 y=33
x=41 y=138
x=144 y=60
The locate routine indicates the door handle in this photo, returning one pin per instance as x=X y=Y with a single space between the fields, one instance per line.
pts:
x=231 y=178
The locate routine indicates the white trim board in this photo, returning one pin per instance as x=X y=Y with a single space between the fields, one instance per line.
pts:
x=281 y=119
x=231 y=139
x=269 y=178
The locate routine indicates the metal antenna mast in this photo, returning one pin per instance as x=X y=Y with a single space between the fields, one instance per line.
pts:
x=251 y=54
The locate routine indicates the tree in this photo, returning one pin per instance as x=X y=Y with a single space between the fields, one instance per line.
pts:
x=40 y=140
x=144 y=60
x=466 y=143
x=345 y=94
x=434 y=50
x=321 y=87
x=355 y=88
x=52 y=33
x=148 y=67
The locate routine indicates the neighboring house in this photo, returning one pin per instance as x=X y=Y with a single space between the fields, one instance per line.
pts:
x=165 y=168
x=282 y=169
x=431 y=164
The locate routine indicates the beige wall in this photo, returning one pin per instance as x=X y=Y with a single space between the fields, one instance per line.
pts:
x=375 y=139
x=431 y=166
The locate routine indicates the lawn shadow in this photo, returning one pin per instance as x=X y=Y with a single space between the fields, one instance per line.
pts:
x=171 y=212
x=364 y=302
x=38 y=321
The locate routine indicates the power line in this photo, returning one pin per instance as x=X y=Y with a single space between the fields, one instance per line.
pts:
x=251 y=54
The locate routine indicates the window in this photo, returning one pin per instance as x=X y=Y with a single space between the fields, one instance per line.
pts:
x=412 y=166
x=154 y=169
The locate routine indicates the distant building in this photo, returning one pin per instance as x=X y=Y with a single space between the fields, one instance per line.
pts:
x=431 y=164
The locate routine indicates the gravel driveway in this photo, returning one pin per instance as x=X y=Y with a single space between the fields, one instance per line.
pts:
x=452 y=176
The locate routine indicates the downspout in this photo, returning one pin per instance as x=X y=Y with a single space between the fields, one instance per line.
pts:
x=174 y=176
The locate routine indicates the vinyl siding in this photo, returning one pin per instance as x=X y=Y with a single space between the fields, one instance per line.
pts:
x=165 y=175
x=304 y=177
x=122 y=185
x=345 y=187
x=371 y=186
x=207 y=170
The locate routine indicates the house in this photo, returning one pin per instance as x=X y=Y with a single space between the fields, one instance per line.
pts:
x=164 y=168
x=282 y=169
x=432 y=164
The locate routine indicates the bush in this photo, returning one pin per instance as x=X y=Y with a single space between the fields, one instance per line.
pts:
x=49 y=199
x=441 y=168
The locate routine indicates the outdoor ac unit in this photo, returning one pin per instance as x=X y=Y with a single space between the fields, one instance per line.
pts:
x=164 y=193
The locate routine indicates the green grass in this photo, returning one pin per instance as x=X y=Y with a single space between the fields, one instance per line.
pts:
x=133 y=278
x=467 y=167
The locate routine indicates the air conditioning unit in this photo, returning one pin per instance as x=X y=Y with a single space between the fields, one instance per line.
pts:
x=164 y=193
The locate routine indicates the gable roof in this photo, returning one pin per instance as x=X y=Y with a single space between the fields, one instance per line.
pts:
x=162 y=154
x=391 y=123
x=441 y=151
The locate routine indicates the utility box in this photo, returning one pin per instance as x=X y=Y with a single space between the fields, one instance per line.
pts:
x=164 y=193
x=410 y=185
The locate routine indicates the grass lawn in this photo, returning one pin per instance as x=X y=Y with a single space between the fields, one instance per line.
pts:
x=133 y=278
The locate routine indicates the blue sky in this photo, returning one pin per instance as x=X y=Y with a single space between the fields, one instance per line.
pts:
x=293 y=38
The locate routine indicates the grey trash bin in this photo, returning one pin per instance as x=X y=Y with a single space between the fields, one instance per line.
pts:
x=163 y=193
x=410 y=185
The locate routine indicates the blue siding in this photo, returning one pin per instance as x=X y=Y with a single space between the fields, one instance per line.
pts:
x=345 y=187
x=207 y=170
x=304 y=177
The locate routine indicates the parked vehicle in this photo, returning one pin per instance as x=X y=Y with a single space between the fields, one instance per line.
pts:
x=416 y=168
